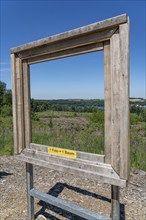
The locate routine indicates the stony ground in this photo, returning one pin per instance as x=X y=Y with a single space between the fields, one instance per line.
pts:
x=84 y=192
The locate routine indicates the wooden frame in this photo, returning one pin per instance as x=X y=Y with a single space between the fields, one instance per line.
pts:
x=111 y=36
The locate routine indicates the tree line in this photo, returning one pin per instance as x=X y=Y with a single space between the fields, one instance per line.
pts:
x=71 y=105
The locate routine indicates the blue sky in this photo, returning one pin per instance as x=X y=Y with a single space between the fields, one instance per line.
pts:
x=73 y=77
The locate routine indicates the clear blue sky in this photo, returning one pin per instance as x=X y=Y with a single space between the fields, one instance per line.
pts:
x=73 y=77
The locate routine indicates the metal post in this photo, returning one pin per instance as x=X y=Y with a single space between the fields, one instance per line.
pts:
x=30 y=199
x=115 y=212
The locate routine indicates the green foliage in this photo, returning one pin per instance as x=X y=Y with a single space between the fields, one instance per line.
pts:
x=5 y=100
x=97 y=118
x=6 y=110
x=134 y=118
x=143 y=115
x=50 y=123
x=135 y=109
x=34 y=116
x=138 y=146
x=6 y=136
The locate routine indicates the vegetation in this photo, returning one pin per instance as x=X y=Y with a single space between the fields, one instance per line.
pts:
x=72 y=124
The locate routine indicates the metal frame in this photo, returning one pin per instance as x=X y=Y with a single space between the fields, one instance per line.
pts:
x=111 y=36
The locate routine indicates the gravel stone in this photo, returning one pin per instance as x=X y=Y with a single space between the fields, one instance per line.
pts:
x=83 y=192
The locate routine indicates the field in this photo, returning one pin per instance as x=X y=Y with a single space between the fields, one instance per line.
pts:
x=81 y=131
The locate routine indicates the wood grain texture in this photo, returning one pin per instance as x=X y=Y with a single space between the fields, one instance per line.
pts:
x=66 y=53
x=124 y=101
x=107 y=102
x=81 y=155
x=115 y=102
x=104 y=174
x=20 y=104
x=26 y=85
x=14 y=101
x=68 y=44
x=95 y=27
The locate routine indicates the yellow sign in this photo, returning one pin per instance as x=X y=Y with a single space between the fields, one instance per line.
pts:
x=62 y=152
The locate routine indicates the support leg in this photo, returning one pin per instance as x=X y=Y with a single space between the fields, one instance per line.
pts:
x=115 y=212
x=30 y=199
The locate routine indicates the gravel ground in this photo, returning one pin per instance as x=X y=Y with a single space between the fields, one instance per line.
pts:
x=84 y=192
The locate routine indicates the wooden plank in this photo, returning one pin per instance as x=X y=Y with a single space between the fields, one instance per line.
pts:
x=107 y=102
x=115 y=102
x=68 y=44
x=76 y=163
x=100 y=177
x=81 y=155
x=124 y=105
x=20 y=110
x=26 y=86
x=14 y=100
x=71 y=52
x=98 y=26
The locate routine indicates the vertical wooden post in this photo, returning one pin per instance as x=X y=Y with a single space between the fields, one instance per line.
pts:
x=14 y=100
x=107 y=102
x=124 y=101
x=115 y=211
x=26 y=85
x=30 y=199
x=115 y=102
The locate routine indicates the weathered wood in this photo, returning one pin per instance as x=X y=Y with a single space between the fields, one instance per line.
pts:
x=95 y=27
x=68 y=44
x=26 y=85
x=101 y=168
x=20 y=104
x=76 y=171
x=81 y=155
x=115 y=102
x=66 y=53
x=14 y=100
x=111 y=35
x=124 y=99
x=107 y=102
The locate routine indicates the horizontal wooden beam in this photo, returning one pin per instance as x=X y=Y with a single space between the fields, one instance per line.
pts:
x=103 y=173
x=66 y=53
x=83 y=40
x=95 y=27
x=80 y=155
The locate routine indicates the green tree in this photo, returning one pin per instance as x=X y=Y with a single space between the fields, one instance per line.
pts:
x=2 y=91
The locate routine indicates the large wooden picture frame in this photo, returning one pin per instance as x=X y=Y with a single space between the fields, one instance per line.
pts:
x=111 y=36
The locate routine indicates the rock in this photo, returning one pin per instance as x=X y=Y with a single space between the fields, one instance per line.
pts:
x=41 y=217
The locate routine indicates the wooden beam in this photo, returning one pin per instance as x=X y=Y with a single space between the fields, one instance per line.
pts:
x=14 y=100
x=115 y=102
x=107 y=102
x=101 y=172
x=66 y=53
x=95 y=27
x=80 y=155
x=76 y=163
x=26 y=86
x=68 y=44
x=20 y=105
x=124 y=105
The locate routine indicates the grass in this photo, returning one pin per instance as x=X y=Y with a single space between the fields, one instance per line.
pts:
x=67 y=130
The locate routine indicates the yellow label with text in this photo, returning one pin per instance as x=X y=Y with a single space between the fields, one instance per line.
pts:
x=62 y=152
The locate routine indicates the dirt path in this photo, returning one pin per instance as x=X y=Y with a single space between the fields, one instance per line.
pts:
x=83 y=192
